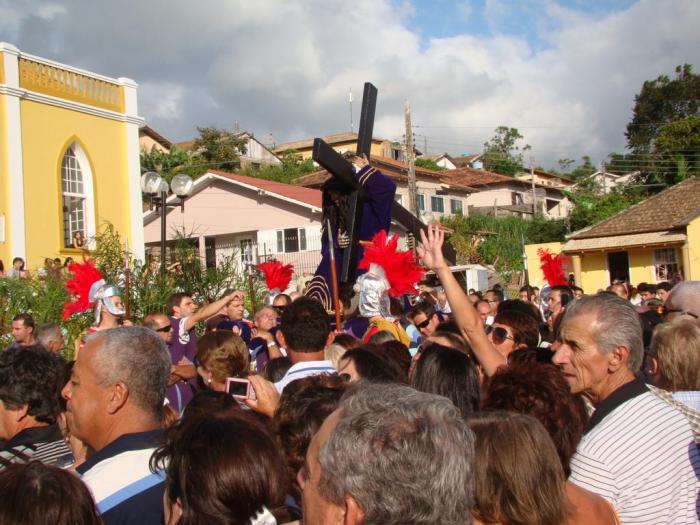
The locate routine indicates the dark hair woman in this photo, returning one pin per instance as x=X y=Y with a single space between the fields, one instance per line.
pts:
x=37 y=494
x=449 y=373
x=222 y=469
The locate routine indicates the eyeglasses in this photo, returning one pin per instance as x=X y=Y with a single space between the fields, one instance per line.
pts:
x=164 y=329
x=498 y=334
x=665 y=311
x=424 y=324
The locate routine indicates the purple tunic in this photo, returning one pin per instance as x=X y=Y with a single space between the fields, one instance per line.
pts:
x=182 y=345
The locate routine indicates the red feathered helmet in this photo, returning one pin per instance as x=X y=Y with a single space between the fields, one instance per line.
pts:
x=389 y=273
x=277 y=278
x=553 y=267
x=89 y=289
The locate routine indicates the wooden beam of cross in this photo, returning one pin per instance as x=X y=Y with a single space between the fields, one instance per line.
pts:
x=344 y=171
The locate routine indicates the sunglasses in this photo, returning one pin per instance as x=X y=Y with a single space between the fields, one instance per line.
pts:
x=424 y=324
x=164 y=329
x=280 y=308
x=498 y=334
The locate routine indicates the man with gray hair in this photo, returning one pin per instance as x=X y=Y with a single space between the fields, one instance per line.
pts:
x=637 y=451
x=683 y=300
x=50 y=337
x=115 y=404
x=390 y=455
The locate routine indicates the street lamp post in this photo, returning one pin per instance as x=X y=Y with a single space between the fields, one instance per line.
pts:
x=153 y=184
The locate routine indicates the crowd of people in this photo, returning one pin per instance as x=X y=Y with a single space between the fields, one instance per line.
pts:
x=555 y=407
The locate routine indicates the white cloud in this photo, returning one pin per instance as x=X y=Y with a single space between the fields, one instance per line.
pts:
x=285 y=66
x=464 y=10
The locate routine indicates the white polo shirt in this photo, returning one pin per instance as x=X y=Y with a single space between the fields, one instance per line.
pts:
x=639 y=453
x=304 y=369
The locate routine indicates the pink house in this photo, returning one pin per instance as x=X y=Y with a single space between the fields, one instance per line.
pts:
x=251 y=219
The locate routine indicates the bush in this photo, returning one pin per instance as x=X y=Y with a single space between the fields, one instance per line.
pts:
x=44 y=296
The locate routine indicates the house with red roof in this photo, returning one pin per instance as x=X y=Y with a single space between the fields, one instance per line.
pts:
x=250 y=219
x=501 y=196
x=438 y=194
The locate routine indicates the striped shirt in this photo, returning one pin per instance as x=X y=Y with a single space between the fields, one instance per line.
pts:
x=45 y=444
x=125 y=490
x=639 y=453
x=304 y=369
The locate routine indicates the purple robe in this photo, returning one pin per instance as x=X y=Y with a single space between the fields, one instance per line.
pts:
x=180 y=393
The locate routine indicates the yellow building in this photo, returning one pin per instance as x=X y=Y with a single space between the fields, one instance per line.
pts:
x=342 y=143
x=69 y=158
x=653 y=241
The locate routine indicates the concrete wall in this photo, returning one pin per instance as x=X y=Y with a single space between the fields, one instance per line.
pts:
x=692 y=251
x=146 y=143
x=594 y=272
x=103 y=142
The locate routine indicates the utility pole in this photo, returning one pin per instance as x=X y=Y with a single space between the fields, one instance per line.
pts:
x=601 y=168
x=412 y=190
x=532 y=180
x=425 y=145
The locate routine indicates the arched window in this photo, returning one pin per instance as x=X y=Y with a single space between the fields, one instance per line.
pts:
x=77 y=196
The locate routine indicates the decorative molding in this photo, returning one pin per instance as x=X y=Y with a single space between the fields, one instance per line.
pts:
x=67 y=104
x=60 y=65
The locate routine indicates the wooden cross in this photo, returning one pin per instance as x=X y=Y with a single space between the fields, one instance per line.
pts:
x=344 y=172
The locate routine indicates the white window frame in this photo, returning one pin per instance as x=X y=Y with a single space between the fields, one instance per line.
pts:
x=88 y=196
x=302 y=242
x=437 y=198
x=420 y=201
x=459 y=203
x=661 y=257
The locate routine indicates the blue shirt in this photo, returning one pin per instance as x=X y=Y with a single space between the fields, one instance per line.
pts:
x=125 y=490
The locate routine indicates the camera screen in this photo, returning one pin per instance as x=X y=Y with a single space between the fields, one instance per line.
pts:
x=236 y=388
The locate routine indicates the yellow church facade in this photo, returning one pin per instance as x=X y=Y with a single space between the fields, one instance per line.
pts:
x=69 y=158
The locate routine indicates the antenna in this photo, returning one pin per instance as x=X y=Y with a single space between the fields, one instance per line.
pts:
x=350 y=99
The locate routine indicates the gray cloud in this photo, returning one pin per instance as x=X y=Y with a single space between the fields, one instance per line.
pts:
x=286 y=67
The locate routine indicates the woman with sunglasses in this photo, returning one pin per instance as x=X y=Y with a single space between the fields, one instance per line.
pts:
x=464 y=313
x=512 y=330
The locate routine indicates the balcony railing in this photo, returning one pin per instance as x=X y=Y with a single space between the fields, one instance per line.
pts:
x=70 y=84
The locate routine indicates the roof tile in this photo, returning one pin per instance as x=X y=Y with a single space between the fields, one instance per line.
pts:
x=291 y=191
x=671 y=209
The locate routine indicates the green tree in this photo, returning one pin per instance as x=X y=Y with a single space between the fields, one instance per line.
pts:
x=583 y=170
x=622 y=163
x=590 y=207
x=166 y=163
x=219 y=149
x=662 y=127
x=498 y=241
x=502 y=153
x=565 y=165
x=428 y=164
x=292 y=167
x=677 y=146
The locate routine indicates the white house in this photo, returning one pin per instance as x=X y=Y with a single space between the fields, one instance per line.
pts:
x=257 y=155
x=248 y=218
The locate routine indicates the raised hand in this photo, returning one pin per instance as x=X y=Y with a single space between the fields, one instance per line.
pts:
x=430 y=250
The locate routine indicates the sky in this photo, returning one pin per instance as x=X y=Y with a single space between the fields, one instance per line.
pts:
x=564 y=73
